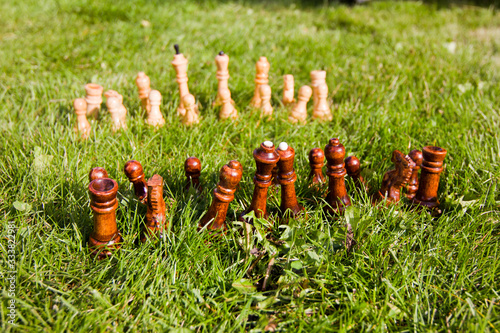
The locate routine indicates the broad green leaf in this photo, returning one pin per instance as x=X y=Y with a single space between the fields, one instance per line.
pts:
x=244 y=286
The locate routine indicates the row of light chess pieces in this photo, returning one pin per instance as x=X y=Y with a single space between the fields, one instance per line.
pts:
x=273 y=166
x=188 y=109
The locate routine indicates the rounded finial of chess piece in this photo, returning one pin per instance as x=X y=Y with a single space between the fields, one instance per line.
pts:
x=192 y=165
x=80 y=105
x=316 y=156
x=335 y=152
x=133 y=170
x=417 y=157
x=305 y=93
x=352 y=165
x=112 y=103
x=97 y=172
x=188 y=100
x=155 y=97
x=221 y=53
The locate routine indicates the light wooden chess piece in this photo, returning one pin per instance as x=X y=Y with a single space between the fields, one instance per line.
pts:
x=93 y=99
x=191 y=114
x=317 y=77
x=155 y=118
x=261 y=77
x=265 y=95
x=227 y=110
x=118 y=117
x=321 y=110
x=113 y=93
x=299 y=110
x=222 y=63
x=180 y=64
x=144 y=85
x=288 y=90
x=83 y=125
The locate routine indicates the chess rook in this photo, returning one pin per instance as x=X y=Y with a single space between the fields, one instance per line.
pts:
x=432 y=166
x=299 y=110
x=317 y=78
x=96 y=173
x=222 y=63
x=287 y=178
x=266 y=158
x=83 y=125
x=144 y=86
x=93 y=99
x=180 y=64
x=155 y=215
x=135 y=174
x=316 y=162
x=261 y=77
x=229 y=178
x=118 y=117
x=337 y=197
x=412 y=186
x=321 y=109
x=155 y=118
x=288 y=90
x=265 y=96
x=192 y=169
x=352 y=166
x=191 y=111
x=395 y=179
x=227 y=111
x=105 y=238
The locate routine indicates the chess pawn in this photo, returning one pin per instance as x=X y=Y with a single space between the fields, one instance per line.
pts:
x=299 y=110
x=180 y=64
x=229 y=178
x=113 y=93
x=412 y=186
x=105 y=238
x=265 y=95
x=222 y=62
x=227 y=111
x=432 y=166
x=288 y=90
x=317 y=78
x=316 y=162
x=117 y=116
x=144 y=86
x=266 y=158
x=155 y=118
x=192 y=169
x=96 y=173
x=321 y=109
x=395 y=179
x=261 y=77
x=93 y=99
x=352 y=166
x=191 y=112
x=83 y=125
x=155 y=215
x=135 y=174
x=337 y=197
x=287 y=178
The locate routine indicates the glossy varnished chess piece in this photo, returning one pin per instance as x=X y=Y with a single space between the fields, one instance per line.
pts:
x=155 y=215
x=337 y=197
x=191 y=111
x=321 y=109
x=395 y=179
x=288 y=90
x=316 y=162
x=222 y=63
x=155 y=118
x=192 y=169
x=229 y=178
x=266 y=158
x=353 y=168
x=135 y=174
x=144 y=86
x=180 y=64
x=261 y=77
x=287 y=178
x=265 y=97
x=432 y=166
x=97 y=172
x=93 y=99
x=105 y=238
x=299 y=110
x=412 y=186
x=82 y=124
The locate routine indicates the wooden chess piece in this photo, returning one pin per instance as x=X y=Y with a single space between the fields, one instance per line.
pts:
x=317 y=77
x=275 y=175
x=191 y=111
x=321 y=109
x=222 y=63
x=83 y=125
x=105 y=238
x=288 y=90
x=192 y=169
x=143 y=84
x=180 y=64
x=113 y=93
x=432 y=166
x=412 y=186
x=118 y=117
x=135 y=174
x=352 y=166
x=337 y=197
x=96 y=173
x=299 y=110
x=155 y=215
x=93 y=99
x=261 y=77
x=229 y=178
x=227 y=111
x=265 y=96
x=287 y=178
x=395 y=179
x=266 y=158
x=155 y=118
x=316 y=162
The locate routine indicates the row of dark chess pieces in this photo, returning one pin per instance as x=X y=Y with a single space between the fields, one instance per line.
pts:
x=274 y=165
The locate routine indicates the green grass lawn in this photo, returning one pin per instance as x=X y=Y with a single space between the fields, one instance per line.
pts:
x=401 y=76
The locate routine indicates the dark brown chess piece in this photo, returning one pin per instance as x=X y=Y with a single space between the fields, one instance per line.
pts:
x=135 y=174
x=337 y=197
x=192 y=168
x=432 y=166
x=275 y=176
x=287 y=178
x=395 y=179
x=229 y=178
x=96 y=173
x=412 y=186
x=353 y=169
x=155 y=215
x=266 y=158
x=105 y=238
x=316 y=162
